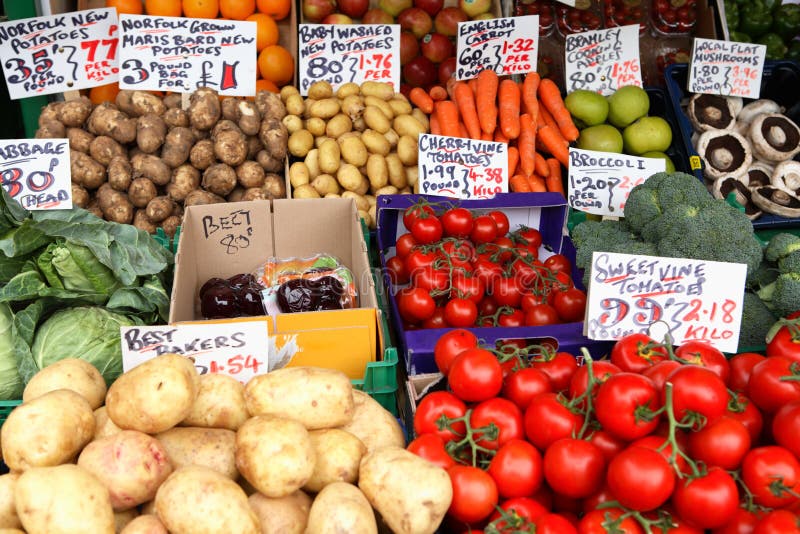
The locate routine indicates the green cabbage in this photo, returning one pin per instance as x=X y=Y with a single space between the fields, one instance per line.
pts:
x=88 y=333
x=67 y=265
x=10 y=381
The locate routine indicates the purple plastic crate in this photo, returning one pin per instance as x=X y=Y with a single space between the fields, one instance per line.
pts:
x=545 y=211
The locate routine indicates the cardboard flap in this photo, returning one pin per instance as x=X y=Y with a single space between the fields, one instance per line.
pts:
x=332 y=320
x=325 y=347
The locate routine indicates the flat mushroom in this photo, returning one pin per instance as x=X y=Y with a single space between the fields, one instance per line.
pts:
x=774 y=137
x=713 y=112
x=776 y=201
x=739 y=188
x=724 y=153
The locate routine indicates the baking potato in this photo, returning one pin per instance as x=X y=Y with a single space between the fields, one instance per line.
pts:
x=316 y=397
x=106 y=119
x=171 y=224
x=373 y=424
x=376 y=120
x=175 y=117
x=274 y=454
x=254 y=193
x=199 y=197
x=51 y=129
x=184 y=503
x=299 y=174
x=75 y=374
x=50 y=112
x=325 y=184
x=377 y=171
x=275 y=137
x=324 y=108
x=59 y=423
x=353 y=150
x=130 y=464
x=209 y=447
x=305 y=191
x=152 y=167
x=137 y=103
x=64 y=499
x=407 y=150
x=341 y=507
x=281 y=515
x=300 y=142
x=80 y=196
x=8 y=508
x=338 y=124
x=145 y=524
x=269 y=162
x=329 y=156
x=120 y=173
x=103 y=148
x=122 y=519
x=114 y=205
x=248 y=117
x=230 y=146
x=338 y=454
x=411 y=494
x=228 y=107
x=219 y=404
x=153 y=396
x=103 y=425
x=382 y=90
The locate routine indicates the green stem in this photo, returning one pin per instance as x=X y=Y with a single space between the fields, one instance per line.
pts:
x=671 y=438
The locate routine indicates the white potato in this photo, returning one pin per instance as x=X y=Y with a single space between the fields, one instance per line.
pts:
x=209 y=447
x=103 y=425
x=145 y=524
x=219 y=403
x=341 y=507
x=373 y=424
x=70 y=373
x=8 y=507
x=338 y=455
x=122 y=519
x=281 y=515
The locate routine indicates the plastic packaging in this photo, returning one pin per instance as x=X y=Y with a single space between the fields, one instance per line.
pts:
x=584 y=17
x=543 y=8
x=625 y=12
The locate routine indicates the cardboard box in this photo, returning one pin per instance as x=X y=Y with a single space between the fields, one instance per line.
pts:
x=544 y=211
x=221 y=240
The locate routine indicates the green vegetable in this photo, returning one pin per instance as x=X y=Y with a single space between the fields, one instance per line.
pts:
x=783 y=295
x=66 y=265
x=776 y=48
x=731 y=15
x=793 y=52
x=757 y=319
x=786 y=22
x=754 y=19
x=10 y=382
x=781 y=245
x=740 y=37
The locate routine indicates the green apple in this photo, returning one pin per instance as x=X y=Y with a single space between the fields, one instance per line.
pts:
x=670 y=167
x=627 y=104
x=601 y=137
x=588 y=106
x=647 y=134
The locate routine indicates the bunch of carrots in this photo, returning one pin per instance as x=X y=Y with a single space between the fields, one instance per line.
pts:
x=530 y=116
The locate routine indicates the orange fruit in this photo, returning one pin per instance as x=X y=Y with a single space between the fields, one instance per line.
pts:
x=276 y=65
x=126 y=7
x=201 y=9
x=277 y=9
x=163 y=8
x=237 y=9
x=266 y=30
x=104 y=93
x=266 y=85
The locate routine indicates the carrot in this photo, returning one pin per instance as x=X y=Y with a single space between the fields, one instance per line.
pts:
x=553 y=142
x=473 y=84
x=550 y=97
x=513 y=160
x=463 y=131
x=530 y=99
x=526 y=144
x=466 y=107
x=447 y=113
x=537 y=183
x=518 y=183
x=508 y=96
x=485 y=97
x=434 y=124
x=499 y=137
x=554 y=181
x=540 y=165
x=486 y=136
x=421 y=99
x=546 y=118
x=437 y=93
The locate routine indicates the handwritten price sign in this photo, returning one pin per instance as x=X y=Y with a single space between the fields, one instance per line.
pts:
x=238 y=349
x=462 y=168
x=600 y=182
x=45 y=55
x=697 y=299
x=507 y=46
x=726 y=68
x=343 y=53
x=603 y=60
x=178 y=54
x=36 y=172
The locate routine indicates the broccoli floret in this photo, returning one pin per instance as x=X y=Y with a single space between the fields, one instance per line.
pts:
x=662 y=192
x=605 y=236
x=766 y=273
x=756 y=322
x=783 y=295
x=781 y=245
x=790 y=263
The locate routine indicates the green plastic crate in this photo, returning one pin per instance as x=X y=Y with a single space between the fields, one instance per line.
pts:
x=6 y=407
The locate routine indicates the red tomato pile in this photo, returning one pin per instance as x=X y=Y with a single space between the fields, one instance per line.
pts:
x=651 y=440
x=464 y=270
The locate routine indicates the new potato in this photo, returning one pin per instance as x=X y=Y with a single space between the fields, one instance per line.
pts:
x=70 y=373
x=341 y=507
x=281 y=515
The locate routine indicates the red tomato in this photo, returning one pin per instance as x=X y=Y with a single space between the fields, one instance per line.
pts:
x=541 y=315
x=486 y=271
x=467 y=286
x=767 y=389
x=474 y=494
x=513 y=318
x=602 y=370
x=418 y=260
x=659 y=372
x=570 y=304
x=431 y=447
x=743 y=522
x=547 y=420
x=772 y=474
x=405 y=244
x=530 y=236
x=592 y=502
x=609 y=445
x=744 y=411
x=698 y=390
x=523 y=507
x=415 y=304
x=484 y=230
x=574 y=467
x=517 y=469
x=504 y=415
x=741 y=368
x=506 y=291
x=637 y=352
x=558 y=263
x=432 y=407
x=431 y=278
x=595 y=522
x=504 y=247
x=457 y=222
x=640 y=478
x=786 y=427
x=786 y=343
x=722 y=443
x=676 y=526
x=554 y=524
x=459 y=252
x=707 y=501
x=706 y=355
x=436 y=320
x=560 y=367
x=475 y=375
x=624 y=406
x=460 y=312
x=427 y=230
x=417 y=211
x=661 y=445
x=397 y=271
x=531 y=299
x=778 y=522
x=501 y=221
x=450 y=345
x=522 y=385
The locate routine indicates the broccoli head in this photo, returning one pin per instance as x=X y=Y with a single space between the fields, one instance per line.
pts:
x=606 y=236
x=659 y=194
x=781 y=245
x=757 y=319
x=790 y=263
x=783 y=295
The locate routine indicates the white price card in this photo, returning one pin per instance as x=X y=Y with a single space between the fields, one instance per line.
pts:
x=599 y=182
x=36 y=172
x=603 y=60
x=463 y=168
x=507 y=46
x=726 y=68
x=46 y=55
x=239 y=349
x=181 y=54
x=694 y=299
x=344 y=53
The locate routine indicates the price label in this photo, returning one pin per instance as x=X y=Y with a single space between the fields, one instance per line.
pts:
x=507 y=46
x=726 y=68
x=236 y=348
x=695 y=299
x=344 y=53
x=233 y=231
x=603 y=60
x=181 y=54
x=36 y=172
x=457 y=167
x=599 y=182
x=45 y=55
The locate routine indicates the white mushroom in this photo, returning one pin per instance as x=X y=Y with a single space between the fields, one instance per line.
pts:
x=724 y=153
x=713 y=112
x=774 y=137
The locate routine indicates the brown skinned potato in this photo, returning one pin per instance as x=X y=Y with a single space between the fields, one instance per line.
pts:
x=174 y=117
x=138 y=103
x=160 y=208
x=151 y=130
x=219 y=179
x=250 y=174
x=270 y=105
x=177 y=146
x=142 y=222
x=202 y=154
x=204 y=109
x=142 y=191
x=80 y=196
x=86 y=171
x=75 y=112
x=120 y=173
x=185 y=179
x=50 y=129
x=199 y=197
x=103 y=149
x=108 y=120
x=152 y=167
x=79 y=139
x=230 y=147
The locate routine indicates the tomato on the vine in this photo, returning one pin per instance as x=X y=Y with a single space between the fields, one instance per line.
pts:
x=457 y=222
x=541 y=315
x=554 y=524
x=741 y=368
x=397 y=271
x=413 y=213
x=744 y=521
x=432 y=448
x=602 y=370
x=559 y=367
x=637 y=352
x=504 y=415
x=405 y=244
x=451 y=344
x=778 y=522
x=427 y=230
x=596 y=521
x=506 y=291
x=501 y=221
x=786 y=340
x=523 y=507
x=467 y=286
x=786 y=427
x=484 y=230
x=743 y=410
x=415 y=304
x=460 y=312
x=627 y=405
x=707 y=501
x=436 y=320
x=486 y=271
x=522 y=385
x=574 y=467
x=504 y=248
x=570 y=304
x=772 y=474
x=517 y=469
x=704 y=354
x=722 y=443
x=608 y=444
x=547 y=420
x=659 y=372
x=531 y=236
x=474 y=493
x=435 y=405
x=475 y=375
x=558 y=263
x=511 y=317
x=768 y=386
x=418 y=260
x=430 y=278
x=697 y=390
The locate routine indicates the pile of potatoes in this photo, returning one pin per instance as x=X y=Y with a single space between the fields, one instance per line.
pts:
x=359 y=142
x=144 y=158
x=164 y=449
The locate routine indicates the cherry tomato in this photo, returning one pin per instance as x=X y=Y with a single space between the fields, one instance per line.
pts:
x=517 y=469
x=640 y=478
x=637 y=352
x=451 y=344
x=741 y=368
x=595 y=521
x=541 y=315
x=434 y=405
x=706 y=355
x=624 y=406
x=778 y=522
x=460 y=312
x=484 y=229
x=501 y=221
x=767 y=389
x=506 y=291
x=786 y=427
x=427 y=230
x=504 y=415
x=514 y=318
x=415 y=304
x=475 y=375
x=574 y=467
x=436 y=320
x=474 y=493
x=772 y=474
x=431 y=447
x=397 y=271
x=559 y=368
x=553 y=524
x=522 y=385
x=415 y=212
x=707 y=501
x=698 y=390
x=558 y=263
x=570 y=304
x=457 y=222
x=547 y=420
